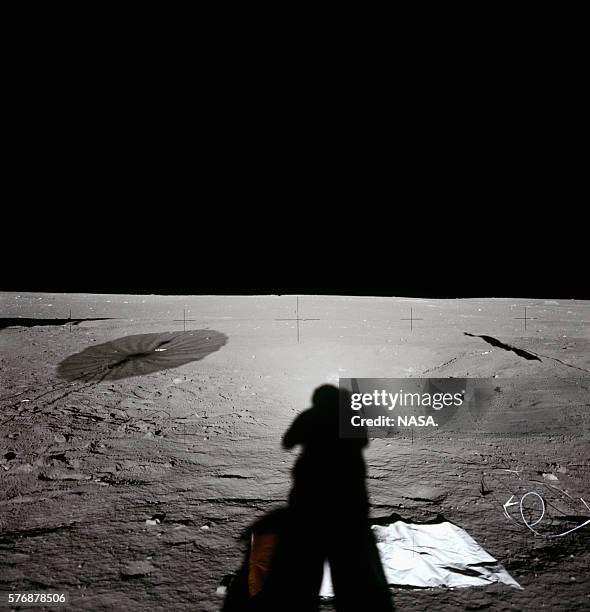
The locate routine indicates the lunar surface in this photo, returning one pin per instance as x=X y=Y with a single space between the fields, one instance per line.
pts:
x=140 y=437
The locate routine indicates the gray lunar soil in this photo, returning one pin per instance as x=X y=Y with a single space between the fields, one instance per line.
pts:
x=133 y=491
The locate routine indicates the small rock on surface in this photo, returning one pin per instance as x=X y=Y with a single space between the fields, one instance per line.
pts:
x=137 y=568
x=63 y=475
x=424 y=493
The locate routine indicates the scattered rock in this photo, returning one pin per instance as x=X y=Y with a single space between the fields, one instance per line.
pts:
x=63 y=475
x=549 y=476
x=178 y=536
x=142 y=425
x=61 y=457
x=424 y=493
x=137 y=569
x=156 y=519
x=224 y=584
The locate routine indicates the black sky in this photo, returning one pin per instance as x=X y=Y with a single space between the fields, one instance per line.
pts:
x=157 y=194
x=290 y=247
x=130 y=169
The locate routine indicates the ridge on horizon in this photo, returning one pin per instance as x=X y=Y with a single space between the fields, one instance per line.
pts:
x=422 y=296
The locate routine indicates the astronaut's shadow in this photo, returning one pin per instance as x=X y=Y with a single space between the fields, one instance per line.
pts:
x=327 y=520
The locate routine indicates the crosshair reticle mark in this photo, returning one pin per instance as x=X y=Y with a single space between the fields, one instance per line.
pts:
x=525 y=318
x=412 y=319
x=297 y=318
x=184 y=320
